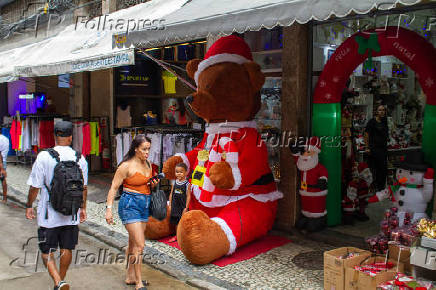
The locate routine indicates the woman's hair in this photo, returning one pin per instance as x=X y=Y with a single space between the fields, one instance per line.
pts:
x=139 y=139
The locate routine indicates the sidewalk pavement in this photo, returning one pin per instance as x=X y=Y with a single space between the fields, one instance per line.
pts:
x=296 y=265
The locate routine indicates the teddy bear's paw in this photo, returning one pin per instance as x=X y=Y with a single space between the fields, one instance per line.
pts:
x=220 y=174
x=169 y=166
x=201 y=239
x=156 y=229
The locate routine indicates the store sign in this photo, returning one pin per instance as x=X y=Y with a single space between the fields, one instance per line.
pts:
x=26 y=96
x=110 y=61
x=139 y=79
x=122 y=58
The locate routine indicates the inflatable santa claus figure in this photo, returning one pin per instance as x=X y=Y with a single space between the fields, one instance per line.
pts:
x=313 y=185
x=365 y=181
x=350 y=202
x=413 y=189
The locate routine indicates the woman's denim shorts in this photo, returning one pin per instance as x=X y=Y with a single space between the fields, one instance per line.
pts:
x=134 y=207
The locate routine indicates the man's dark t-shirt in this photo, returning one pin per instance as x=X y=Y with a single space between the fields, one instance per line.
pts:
x=378 y=134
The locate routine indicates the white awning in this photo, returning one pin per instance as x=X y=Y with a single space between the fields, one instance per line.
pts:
x=201 y=18
x=86 y=48
x=81 y=47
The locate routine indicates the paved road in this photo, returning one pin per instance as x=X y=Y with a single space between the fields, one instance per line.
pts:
x=28 y=272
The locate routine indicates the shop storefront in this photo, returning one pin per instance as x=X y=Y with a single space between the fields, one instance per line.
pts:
x=147 y=96
x=349 y=86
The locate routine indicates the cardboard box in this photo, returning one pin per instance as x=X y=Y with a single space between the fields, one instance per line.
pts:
x=394 y=252
x=357 y=280
x=334 y=268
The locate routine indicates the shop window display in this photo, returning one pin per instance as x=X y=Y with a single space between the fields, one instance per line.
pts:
x=387 y=82
x=266 y=48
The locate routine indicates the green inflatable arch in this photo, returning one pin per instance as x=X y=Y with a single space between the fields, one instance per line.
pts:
x=408 y=46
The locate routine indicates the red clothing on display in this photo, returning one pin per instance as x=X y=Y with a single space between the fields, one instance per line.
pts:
x=15 y=134
x=86 y=147
x=46 y=134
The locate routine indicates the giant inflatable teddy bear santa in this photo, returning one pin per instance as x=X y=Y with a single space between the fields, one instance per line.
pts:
x=313 y=185
x=234 y=195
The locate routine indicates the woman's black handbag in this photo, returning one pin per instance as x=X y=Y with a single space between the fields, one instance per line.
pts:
x=158 y=204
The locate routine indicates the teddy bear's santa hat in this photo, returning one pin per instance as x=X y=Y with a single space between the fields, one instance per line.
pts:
x=230 y=48
x=362 y=166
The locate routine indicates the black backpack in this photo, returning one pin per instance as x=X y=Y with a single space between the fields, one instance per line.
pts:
x=66 y=188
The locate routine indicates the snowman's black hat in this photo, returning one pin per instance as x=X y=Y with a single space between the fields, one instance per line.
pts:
x=413 y=161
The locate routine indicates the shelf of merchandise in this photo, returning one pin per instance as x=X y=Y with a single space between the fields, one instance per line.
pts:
x=272 y=70
x=405 y=149
x=272 y=51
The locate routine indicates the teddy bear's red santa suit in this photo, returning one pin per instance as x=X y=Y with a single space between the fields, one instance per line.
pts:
x=246 y=211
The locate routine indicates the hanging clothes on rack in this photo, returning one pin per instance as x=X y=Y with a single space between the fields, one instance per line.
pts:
x=154 y=154
x=46 y=134
x=95 y=138
x=35 y=132
x=15 y=134
x=86 y=145
x=26 y=135
x=168 y=146
x=119 y=150
x=127 y=140
x=78 y=136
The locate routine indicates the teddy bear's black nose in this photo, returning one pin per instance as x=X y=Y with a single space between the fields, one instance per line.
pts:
x=189 y=99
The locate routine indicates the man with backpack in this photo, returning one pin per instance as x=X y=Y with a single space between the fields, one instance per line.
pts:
x=61 y=174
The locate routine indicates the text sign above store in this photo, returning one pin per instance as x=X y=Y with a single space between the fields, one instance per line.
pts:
x=126 y=57
x=139 y=79
x=26 y=96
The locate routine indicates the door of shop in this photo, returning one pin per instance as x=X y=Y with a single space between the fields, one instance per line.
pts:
x=408 y=46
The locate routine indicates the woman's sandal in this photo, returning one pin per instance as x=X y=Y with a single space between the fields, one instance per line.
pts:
x=145 y=282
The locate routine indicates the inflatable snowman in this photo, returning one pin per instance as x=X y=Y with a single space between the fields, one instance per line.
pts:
x=414 y=188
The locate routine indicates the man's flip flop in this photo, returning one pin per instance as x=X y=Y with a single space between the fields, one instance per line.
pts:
x=145 y=282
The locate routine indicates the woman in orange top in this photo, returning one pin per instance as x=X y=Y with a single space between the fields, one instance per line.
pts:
x=134 y=172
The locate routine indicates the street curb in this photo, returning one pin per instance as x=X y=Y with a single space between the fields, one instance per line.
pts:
x=164 y=263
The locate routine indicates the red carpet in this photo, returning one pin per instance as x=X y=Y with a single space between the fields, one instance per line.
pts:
x=246 y=252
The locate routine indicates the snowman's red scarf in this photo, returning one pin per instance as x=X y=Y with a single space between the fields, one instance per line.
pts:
x=393 y=188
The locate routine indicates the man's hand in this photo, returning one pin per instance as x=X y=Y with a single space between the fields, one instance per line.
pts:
x=30 y=213
x=83 y=215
